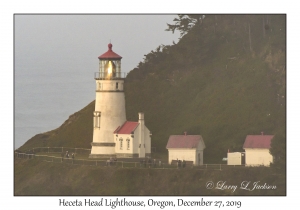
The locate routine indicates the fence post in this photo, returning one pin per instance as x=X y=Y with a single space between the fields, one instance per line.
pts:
x=96 y=163
x=122 y=164
x=220 y=167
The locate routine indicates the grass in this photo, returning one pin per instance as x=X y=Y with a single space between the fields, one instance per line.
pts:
x=51 y=178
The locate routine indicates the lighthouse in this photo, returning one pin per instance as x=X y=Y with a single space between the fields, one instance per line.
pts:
x=109 y=111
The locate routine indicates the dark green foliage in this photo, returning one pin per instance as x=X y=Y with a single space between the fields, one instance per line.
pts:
x=278 y=150
x=184 y=23
x=213 y=83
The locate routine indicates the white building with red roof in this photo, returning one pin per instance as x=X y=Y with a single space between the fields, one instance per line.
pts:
x=257 y=150
x=186 y=147
x=133 y=139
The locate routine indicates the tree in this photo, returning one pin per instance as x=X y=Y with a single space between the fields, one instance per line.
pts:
x=278 y=150
x=184 y=23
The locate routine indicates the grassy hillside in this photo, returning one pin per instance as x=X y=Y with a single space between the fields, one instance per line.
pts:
x=77 y=131
x=224 y=79
x=45 y=178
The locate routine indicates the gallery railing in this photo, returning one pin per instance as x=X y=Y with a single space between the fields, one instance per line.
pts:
x=109 y=76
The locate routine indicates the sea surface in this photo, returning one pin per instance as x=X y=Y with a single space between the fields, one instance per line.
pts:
x=43 y=101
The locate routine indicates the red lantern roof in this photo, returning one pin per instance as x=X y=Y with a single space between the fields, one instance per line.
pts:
x=110 y=54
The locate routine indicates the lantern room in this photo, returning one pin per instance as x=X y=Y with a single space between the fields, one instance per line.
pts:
x=109 y=65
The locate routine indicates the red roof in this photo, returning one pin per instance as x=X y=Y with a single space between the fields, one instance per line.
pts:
x=110 y=54
x=183 y=141
x=127 y=128
x=258 y=141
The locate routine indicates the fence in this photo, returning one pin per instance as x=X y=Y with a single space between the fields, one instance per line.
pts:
x=30 y=154
x=91 y=162
x=58 y=150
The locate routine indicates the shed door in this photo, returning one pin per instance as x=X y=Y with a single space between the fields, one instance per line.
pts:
x=243 y=158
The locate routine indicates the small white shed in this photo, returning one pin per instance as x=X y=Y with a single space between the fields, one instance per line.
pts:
x=235 y=158
x=186 y=147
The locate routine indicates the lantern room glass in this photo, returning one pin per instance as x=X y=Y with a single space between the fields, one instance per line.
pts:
x=110 y=69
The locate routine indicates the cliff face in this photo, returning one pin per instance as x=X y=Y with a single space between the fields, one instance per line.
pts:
x=224 y=79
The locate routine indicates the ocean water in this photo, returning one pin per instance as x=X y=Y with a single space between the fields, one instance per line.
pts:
x=43 y=101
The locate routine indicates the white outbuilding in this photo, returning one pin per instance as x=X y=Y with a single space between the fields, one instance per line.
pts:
x=235 y=158
x=257 y=150
x=186 y=147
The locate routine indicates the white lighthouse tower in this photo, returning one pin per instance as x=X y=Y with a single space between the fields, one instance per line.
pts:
x=109 y=111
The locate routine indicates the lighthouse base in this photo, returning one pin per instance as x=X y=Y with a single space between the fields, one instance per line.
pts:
x=102 y=150
x=101 y=156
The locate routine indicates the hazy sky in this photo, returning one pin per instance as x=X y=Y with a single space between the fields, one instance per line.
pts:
x=68 y=41
x=56 y=57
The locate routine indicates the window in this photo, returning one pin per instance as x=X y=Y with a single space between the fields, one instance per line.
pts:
x=117 y=85
x=128 y=144
x=121 y=143
x=97 y=116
